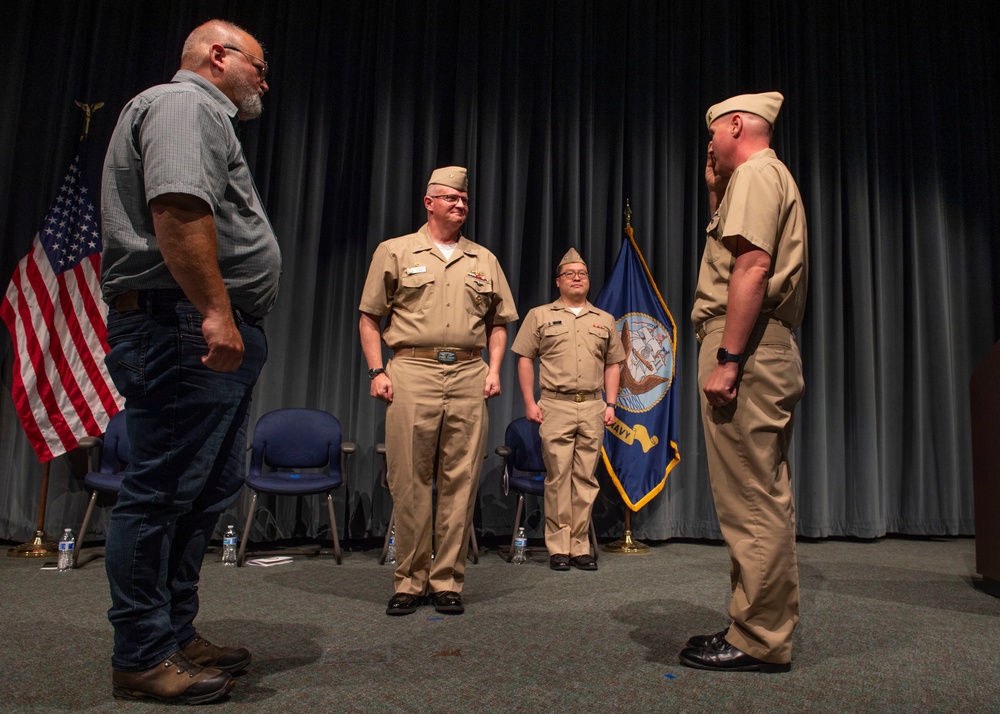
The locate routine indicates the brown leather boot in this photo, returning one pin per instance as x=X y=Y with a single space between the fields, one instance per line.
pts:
x=176 y=680
x=228 y=659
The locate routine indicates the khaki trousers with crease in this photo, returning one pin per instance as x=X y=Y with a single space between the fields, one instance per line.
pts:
x=571 y=434
x=435 y=429
x=747 y=448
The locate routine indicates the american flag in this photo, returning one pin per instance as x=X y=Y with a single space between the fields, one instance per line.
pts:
x=58 y=324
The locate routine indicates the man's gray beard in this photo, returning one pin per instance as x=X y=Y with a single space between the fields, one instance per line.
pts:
x=248 y=99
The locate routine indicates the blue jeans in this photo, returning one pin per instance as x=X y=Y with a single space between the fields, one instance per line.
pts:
x=187 y=428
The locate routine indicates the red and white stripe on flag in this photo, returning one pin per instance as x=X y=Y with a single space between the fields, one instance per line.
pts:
x=58 y=324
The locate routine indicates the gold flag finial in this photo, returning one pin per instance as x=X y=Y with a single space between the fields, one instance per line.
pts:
x=88 y=112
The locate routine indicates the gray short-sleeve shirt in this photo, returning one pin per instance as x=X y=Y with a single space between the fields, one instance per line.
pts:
x=181 y=138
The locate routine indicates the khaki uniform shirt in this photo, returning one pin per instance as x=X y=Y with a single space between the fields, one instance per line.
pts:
x=432 y=302
x=762 y=204
x=573 y=349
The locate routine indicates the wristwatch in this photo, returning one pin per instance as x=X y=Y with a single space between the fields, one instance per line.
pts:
x=611 y=404
x=724 y=356
x=372 y=373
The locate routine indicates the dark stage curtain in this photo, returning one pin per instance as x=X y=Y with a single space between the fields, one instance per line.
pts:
x=563 y=111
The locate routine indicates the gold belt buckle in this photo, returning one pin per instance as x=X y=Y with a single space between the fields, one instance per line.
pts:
x=580 y=397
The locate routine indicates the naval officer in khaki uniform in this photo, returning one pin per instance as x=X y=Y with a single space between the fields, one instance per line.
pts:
x=579 y=353
x=446 y=301
x=751 y=294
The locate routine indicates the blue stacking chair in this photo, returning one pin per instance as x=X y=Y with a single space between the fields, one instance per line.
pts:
x=297 y=452
x=524 y=472
x=108 y=458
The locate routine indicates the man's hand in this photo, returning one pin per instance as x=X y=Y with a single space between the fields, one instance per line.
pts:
x=225 y=344
x=609 y=416
x=710 y=177
x=533 y=413
x=491 y=387
x=720 y=389
x=382 y=388
x=716 y=184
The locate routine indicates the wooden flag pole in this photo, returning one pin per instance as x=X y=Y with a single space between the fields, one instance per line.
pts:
x=39 y=547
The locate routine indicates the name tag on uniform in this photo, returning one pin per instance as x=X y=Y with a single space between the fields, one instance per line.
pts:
x=416 y=269
x=554 y=322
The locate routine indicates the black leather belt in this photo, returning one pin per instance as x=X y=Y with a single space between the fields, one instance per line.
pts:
x=135 y=300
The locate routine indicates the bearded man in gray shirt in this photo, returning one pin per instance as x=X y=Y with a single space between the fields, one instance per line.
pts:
x=190 y=265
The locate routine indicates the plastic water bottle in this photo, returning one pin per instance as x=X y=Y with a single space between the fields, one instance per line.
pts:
x=66 y=545
x=520 y=546
x=229 y=542
x=390 y=553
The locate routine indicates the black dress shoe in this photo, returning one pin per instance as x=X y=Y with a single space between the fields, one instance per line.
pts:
x=706 y=640
x=583 y=562
x=404 y=604
x=448 y=602
x=723 y=657
x=559 y=561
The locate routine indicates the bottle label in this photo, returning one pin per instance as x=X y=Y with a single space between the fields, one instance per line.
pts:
x=229 y=541
x=518 y=542
x=63 y=545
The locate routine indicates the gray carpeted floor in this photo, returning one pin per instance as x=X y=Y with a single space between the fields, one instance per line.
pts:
x=894 y=625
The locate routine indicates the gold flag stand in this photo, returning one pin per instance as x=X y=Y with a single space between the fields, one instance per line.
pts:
x=39 y=547
x=626 y=544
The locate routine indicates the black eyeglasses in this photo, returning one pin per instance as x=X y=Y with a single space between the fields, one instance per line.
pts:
x=452 y=199
x=261 y=70
x=574 y=273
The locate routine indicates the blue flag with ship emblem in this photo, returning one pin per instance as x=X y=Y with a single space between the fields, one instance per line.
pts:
x=640 y=448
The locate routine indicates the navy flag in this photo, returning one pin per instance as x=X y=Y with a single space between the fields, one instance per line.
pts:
x=640 y=448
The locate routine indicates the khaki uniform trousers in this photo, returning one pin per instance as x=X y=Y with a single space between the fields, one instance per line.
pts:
x=571 y=435
x=747 y=448
x=435 y=428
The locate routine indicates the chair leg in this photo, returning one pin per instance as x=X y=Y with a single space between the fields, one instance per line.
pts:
x=388 y=533
x=83 y=527
x=473 y=545
x=333 y=528
x=246 y=531
x=593 y=538
x=517 y=523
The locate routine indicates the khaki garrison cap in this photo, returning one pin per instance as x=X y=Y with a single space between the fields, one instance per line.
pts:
x=764 y=105
x=455 y=177
x=571 y=257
